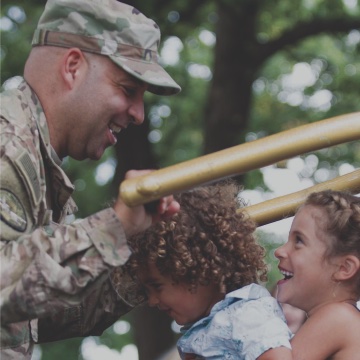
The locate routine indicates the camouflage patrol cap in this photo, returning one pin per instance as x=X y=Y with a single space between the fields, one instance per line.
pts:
x=109 y=28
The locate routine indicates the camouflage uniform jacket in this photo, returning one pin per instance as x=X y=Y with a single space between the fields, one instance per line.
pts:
x=55 y=278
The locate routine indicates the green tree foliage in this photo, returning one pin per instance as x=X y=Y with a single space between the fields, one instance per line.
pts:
x=248 y=68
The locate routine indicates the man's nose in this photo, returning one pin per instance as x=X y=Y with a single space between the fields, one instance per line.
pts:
x=136 y=110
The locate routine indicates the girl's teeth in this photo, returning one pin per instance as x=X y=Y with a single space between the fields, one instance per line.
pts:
x=287 y=274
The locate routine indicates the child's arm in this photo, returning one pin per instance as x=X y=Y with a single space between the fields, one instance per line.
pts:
x=311 y=341
x=280 y=353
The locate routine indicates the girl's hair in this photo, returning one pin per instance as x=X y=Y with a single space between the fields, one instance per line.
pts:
x=208 y=241
x=341 y=222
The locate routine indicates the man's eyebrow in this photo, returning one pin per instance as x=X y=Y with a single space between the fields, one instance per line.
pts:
x=130 y=80
x=137 y=81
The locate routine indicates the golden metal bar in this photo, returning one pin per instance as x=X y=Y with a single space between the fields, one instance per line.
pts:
x=241 y=158
x=285 y=206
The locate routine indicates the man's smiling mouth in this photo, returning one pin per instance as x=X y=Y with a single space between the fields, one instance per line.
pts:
x=114 y=128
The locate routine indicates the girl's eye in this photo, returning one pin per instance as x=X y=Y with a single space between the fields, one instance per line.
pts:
x=298 y=240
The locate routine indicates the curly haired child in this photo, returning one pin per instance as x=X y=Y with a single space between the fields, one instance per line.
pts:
x=203 y=268
x=321 y=265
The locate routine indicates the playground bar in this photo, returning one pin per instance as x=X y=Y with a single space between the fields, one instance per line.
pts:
x=241 y=158
x=285 y=206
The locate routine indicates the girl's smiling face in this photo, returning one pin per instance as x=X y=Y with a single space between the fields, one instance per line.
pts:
x=308 y=280
x=176 y=299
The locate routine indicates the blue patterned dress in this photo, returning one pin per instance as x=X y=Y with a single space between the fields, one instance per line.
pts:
x=248 y=322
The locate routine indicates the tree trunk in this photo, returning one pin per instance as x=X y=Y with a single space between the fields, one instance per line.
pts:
x=152 y=331
x=133 y=151
x=227 y=112
x=153 y=334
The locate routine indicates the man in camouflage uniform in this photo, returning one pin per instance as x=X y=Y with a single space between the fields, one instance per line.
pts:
x=84 y=80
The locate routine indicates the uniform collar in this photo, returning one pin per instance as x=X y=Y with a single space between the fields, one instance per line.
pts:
x=37 y=114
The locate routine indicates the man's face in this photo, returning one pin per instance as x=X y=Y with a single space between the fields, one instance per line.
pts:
x=105 y=102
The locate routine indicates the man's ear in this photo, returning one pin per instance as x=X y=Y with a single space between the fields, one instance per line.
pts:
x=73 y=66
x=349 y=266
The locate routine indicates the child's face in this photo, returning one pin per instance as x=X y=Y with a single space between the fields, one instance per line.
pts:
x=176 y=299
x=308 y=276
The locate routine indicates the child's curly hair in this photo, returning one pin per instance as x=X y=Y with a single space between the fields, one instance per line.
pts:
x=208 y=241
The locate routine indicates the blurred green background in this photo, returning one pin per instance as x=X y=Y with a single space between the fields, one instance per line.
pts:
x=248 y=69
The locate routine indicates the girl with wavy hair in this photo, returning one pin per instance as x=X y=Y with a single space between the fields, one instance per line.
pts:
x=321 y=268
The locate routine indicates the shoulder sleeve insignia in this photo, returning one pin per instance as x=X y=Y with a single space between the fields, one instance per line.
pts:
x=11 y=211
x=28 y=171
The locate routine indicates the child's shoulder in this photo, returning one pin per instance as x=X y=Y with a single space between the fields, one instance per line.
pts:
x=344 y=307
x=330 y=332
x=337 y=313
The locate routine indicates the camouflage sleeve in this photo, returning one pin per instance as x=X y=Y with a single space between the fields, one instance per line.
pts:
x=60 y=274
x=47 y=268
x=100 y=309
x=58 y=266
